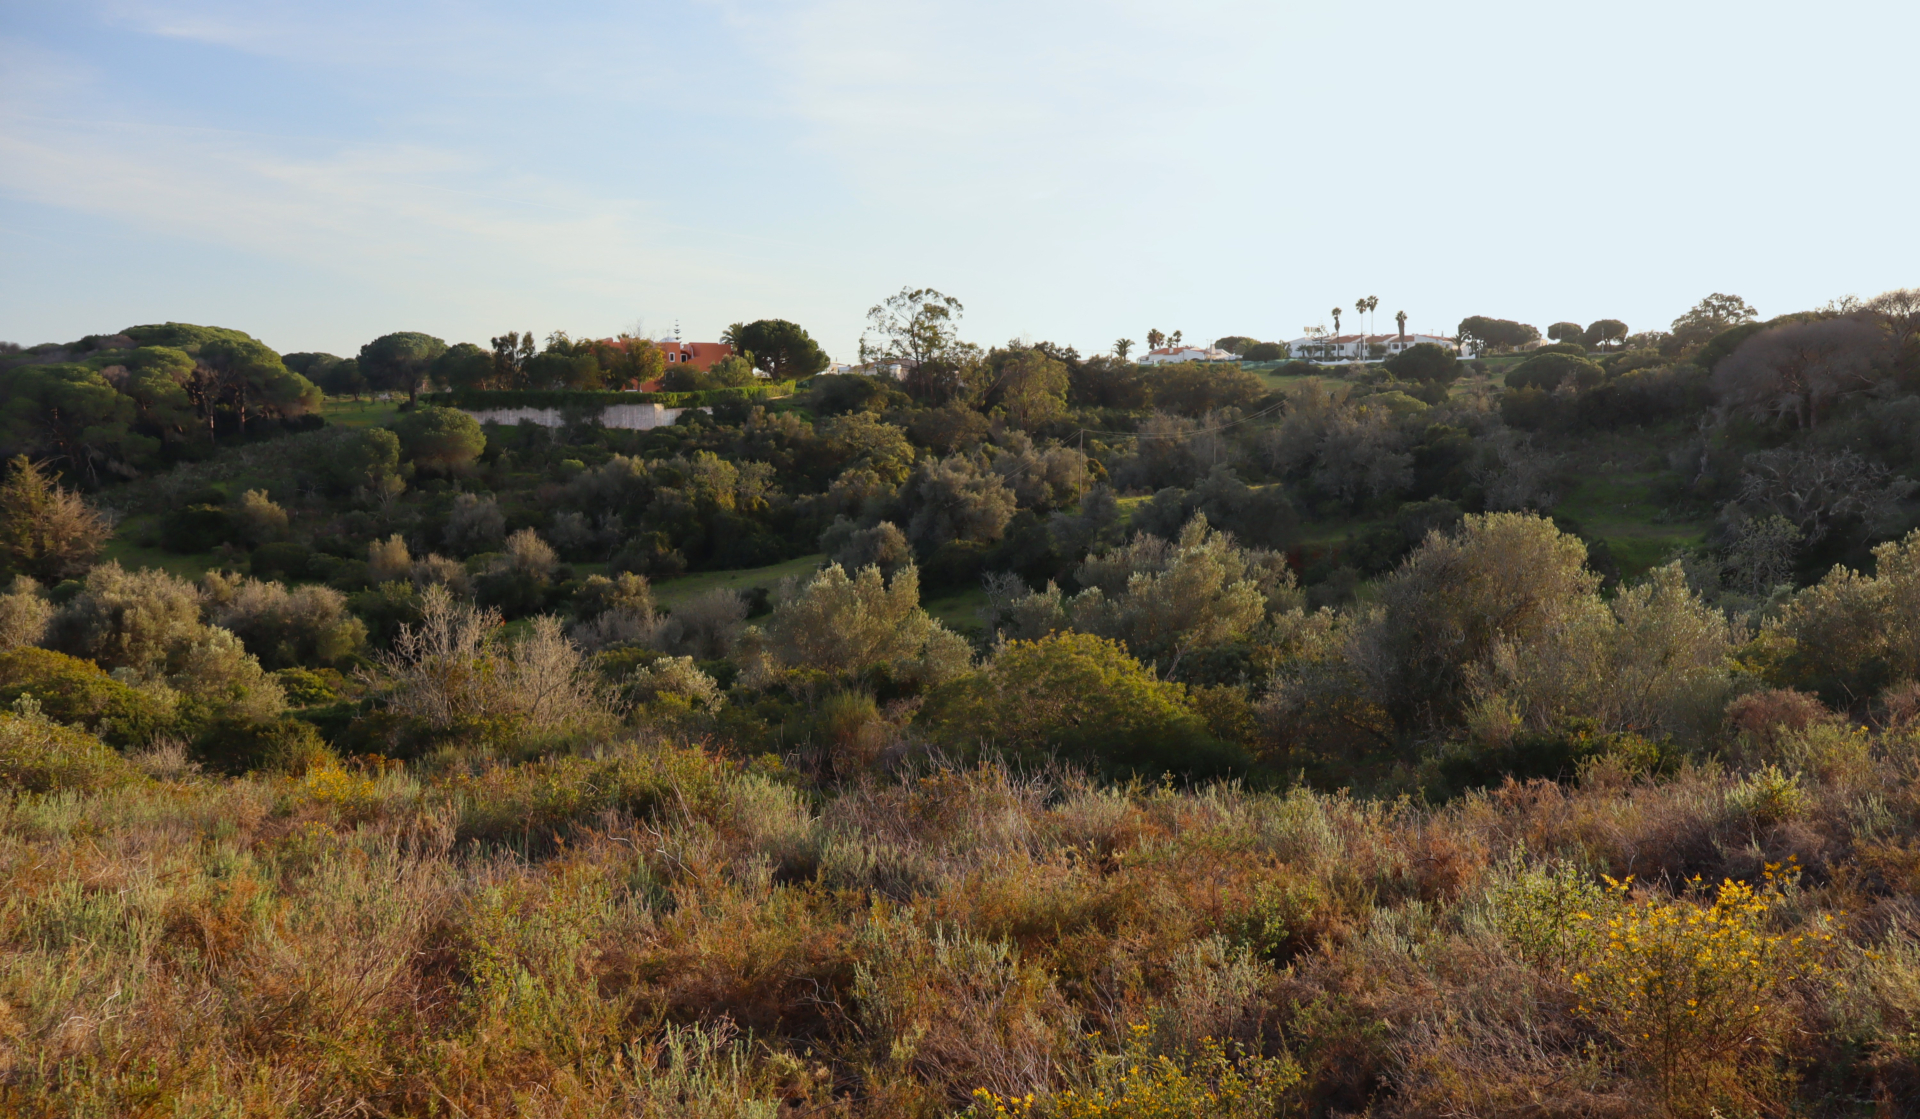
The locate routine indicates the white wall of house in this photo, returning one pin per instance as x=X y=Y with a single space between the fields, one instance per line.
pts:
x=1167 y=355
x=629 y=417
x=1343 y=348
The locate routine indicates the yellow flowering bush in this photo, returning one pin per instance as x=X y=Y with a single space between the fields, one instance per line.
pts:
x=351 y=794
x=1138 y=1084
x=1693 y=990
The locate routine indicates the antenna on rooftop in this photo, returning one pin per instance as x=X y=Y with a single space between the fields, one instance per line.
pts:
x=676 y=330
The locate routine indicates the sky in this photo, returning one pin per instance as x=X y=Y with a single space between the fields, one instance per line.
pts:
x=318 y=174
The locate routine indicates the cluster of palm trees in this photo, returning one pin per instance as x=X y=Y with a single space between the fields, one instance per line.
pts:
x=1365 y=306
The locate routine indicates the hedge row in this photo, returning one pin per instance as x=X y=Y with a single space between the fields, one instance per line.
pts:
x=484 y=399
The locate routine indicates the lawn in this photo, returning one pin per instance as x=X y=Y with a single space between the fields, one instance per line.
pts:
x=672 y=591
x=959 y=612
x=123 y=550
x=1620 y=509
x=359 y=413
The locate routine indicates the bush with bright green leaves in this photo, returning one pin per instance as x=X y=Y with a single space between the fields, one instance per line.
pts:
x=1081 y=698
x=76 y=691
x=38 y=755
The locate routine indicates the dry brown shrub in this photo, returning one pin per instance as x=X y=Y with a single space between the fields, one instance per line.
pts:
x=959 y=1012
x=1763 y=718
x=1900 y=705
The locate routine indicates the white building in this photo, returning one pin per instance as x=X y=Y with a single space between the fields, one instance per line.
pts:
x=1334 y=349
x=1166 y=355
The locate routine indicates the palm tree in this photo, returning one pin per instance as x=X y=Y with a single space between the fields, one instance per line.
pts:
x=1174 y=340
x=1373 y=301
x=1155 y=338
x=1401 y=318
x=1122 y=348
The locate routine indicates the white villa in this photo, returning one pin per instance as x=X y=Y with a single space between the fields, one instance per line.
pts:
x=1166 y=355
x=1317 y=345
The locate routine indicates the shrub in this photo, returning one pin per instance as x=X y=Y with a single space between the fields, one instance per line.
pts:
x=222 y=680
x=705 y=627
x=285 y=560
x=1194 y=388
x=958 y=498
x=1503 y=580
x=1546 y=913
x=1849 y=635
x=388 y=560
x=1768 y=796
x=546 y=681
x=1079 y=695
x=256 y=519
x=1214 y=1080
x=38 y=755
x=305 y=688
x=843 y=626
x=285 y=628
x=1548 y=371
x=199 y=527
x=625 y=591
x=883 y=546
x=351 y=461
x=1694 y=992
x=71 y=690
x=475 y=524
x=440 y=440
x=1764 y=717
x=47 y=531
x=676 y=679
x=127 y=619
x=441 y=669
x=539 y=798
x=617 y=611
x=977 y=1012
x=1425 y=362
x=450 y=670
x=284 y=745
x=1167 y=600
x=24 y=615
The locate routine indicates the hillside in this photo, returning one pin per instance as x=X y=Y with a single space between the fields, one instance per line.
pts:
x=1031 y=734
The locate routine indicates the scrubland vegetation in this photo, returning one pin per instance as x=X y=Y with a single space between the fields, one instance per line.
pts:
x=1538 y=735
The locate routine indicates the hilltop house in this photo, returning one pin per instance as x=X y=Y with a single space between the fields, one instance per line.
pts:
x=700 y=355
x=1327 y=349
x=1167 y=355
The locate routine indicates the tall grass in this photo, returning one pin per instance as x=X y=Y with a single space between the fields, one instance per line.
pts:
x=654 y=930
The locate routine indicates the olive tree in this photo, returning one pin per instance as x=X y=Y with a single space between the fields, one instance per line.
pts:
x=127 y=619
x=1503 y=580
x=846 y=625
x=24 y=615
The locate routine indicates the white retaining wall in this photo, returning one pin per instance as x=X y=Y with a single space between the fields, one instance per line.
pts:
x=632 y=417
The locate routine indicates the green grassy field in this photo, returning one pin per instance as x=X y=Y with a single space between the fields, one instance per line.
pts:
x=670 y=591
x=959 y=612
x=123 y=550
x=359 y=413
x=1620 y=508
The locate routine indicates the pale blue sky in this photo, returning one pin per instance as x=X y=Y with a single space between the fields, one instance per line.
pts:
x=321 y=173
